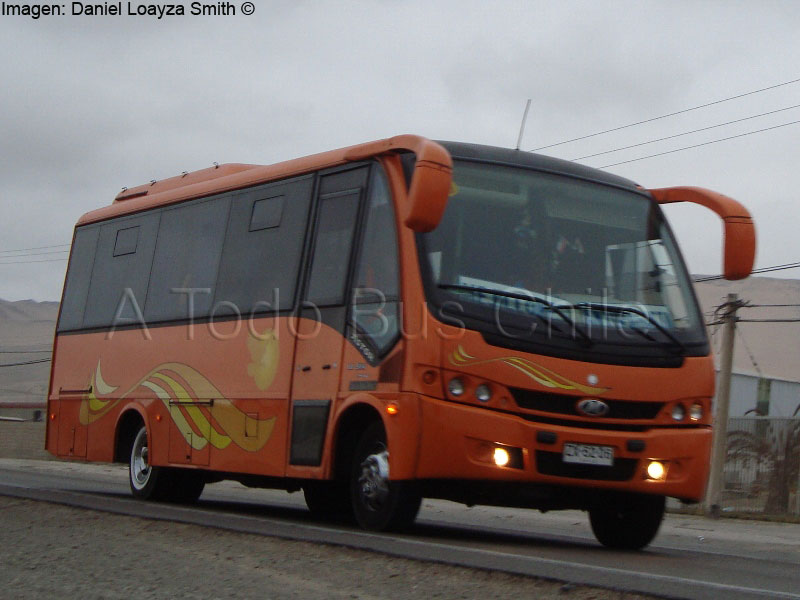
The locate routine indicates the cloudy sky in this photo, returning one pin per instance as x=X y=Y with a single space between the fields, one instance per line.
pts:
x=91 y=104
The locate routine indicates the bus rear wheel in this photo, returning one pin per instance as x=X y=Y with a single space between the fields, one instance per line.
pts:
x=146 y=480
x=379 y=504
x=627 y=521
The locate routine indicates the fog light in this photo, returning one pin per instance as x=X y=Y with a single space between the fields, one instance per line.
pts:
x=696 y=412
x=483 y=393
x=456 y=387
x=501 y=457
x=678 y=412
x=656 y=470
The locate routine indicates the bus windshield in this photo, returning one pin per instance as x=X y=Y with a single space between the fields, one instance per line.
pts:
x=577 y=258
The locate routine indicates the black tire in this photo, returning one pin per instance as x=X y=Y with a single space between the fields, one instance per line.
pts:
x=186 y=485
x=160 y=483
x=627 y=521
x=377 y=503
x=328 y=500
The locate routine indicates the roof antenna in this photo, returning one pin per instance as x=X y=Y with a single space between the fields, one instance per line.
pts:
x=522 y=125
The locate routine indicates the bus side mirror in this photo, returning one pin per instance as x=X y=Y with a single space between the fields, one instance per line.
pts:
x=430 y=182
x=427 y=195
x=739 y=237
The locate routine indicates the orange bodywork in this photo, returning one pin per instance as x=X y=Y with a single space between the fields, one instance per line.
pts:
x=738 y=227
x=219 y=396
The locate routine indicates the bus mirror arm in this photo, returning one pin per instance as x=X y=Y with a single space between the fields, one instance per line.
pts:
x=430 y=182
x=739 y=230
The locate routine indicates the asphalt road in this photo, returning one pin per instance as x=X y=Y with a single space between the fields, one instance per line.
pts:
x=692 y=557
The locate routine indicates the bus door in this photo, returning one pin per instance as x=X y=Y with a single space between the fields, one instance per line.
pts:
x=323 y=315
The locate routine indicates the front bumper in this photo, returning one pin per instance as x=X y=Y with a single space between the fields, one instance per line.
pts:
x=458 y=443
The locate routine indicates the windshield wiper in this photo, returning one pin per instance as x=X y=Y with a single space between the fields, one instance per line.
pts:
x=635 y=311
x=555 y=308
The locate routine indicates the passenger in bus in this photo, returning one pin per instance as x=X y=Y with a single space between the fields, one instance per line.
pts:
x=529 y=249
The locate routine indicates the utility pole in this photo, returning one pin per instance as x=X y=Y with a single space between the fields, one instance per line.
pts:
x=721 y=407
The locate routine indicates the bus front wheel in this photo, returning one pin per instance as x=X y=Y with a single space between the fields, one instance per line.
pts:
x=627 y=521
x=379 y=504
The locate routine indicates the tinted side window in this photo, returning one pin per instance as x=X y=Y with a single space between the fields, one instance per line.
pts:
x=263 y=246
x=378 y=263
x=119 y=281
x=187 y=258
x=334 y=240
x=79 y=274
x=375 y=311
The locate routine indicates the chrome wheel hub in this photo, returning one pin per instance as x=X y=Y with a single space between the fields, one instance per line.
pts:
x=374 y=480
x=140 y=465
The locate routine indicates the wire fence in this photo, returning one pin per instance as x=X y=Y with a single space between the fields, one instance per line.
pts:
x=762 y=466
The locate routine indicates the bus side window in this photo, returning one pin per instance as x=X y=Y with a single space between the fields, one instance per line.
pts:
x=376 y=288
x=121 y=271
x=186 y=260
x=263 y=247
x=79 y=274
x=334 y=240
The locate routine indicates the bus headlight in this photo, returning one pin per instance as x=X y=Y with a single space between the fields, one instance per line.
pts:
x=696 y=412
x=456 y=387
x=678 y=412
x=483 y=393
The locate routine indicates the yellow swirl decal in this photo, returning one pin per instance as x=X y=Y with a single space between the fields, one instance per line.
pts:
x=541 y=375
x=179 y=387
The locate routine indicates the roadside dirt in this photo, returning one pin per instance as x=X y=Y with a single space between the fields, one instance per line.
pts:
x=55 y=551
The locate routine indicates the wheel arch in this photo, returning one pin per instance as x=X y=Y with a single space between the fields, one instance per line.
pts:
x=125 y=430
x=350 y=423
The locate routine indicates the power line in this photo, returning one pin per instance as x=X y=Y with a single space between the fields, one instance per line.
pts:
x=754 y=271
x=672 y=114
x=749 y=353
x=732 y=137
x=24 y=254
x=26 y=351
x=772 y=306
x=29 y=362
x=35 y=248
x=27 y=262
x=669 y=137
x=768 y=320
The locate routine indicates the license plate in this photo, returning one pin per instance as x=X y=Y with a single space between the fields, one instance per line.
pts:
x=585 y=454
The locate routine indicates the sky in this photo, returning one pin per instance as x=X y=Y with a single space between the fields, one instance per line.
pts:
x=89 y=104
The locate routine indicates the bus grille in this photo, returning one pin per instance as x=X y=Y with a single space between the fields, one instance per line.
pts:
x=562 y=404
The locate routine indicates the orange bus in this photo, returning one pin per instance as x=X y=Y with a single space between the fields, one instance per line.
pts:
x=390 y=321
